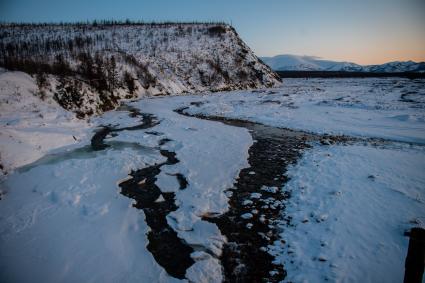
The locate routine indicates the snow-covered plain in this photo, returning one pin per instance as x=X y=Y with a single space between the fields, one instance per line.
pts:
x=62 y=217
x=350 y=207
x=390 y=108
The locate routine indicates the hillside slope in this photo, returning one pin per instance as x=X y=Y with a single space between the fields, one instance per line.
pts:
x=91 y=67
x=30 y=127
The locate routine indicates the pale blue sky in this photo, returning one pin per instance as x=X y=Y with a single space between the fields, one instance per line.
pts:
x=363 y=31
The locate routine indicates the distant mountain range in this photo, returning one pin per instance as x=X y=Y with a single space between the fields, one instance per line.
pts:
x=288 y=62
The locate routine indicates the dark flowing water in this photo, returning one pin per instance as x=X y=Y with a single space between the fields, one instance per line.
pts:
x=169 y=251
x=172 y=253
x=255 y=206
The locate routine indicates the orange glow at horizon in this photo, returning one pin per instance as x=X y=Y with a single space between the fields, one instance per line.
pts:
x=381 y=51
x=375 y=57
x=363 y=32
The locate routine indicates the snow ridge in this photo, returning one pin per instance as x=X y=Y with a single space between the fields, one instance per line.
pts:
x=288 y=62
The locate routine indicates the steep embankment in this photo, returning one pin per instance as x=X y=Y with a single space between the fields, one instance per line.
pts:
x=31 y=127
x=91 y=66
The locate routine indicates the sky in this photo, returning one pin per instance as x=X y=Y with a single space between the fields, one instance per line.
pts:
x=360 y=31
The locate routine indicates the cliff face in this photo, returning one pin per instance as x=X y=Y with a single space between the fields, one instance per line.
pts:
x=90 y=67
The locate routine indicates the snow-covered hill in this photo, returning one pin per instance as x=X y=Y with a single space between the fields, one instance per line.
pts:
x=30 y=126
x=307 y=63
x=92 y=66
x=312 y=63
x=397 y=66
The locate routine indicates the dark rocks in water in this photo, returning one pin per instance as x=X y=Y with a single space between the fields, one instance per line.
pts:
x=256 y=202
x=164 y=141
x=154 y=133
x=171 y=157
x=182 y=181
x=197 y=103
x=243 y=260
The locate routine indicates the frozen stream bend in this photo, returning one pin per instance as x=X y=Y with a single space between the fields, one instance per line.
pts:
x=67 y=207
x=256 y=202
x=255 y=216
x=181 y=173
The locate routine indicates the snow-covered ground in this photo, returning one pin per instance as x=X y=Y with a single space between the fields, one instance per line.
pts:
x=350 y=204
x=62 y=217
x=350 y=207
x=66 y=208
x=30 y=126
x=390 y=108
x=65 y=221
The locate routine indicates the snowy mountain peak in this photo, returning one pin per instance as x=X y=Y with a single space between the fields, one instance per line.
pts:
x=289 y=62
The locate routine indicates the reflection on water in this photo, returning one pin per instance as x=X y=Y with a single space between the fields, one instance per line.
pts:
x=85 y=152
x=99 y=145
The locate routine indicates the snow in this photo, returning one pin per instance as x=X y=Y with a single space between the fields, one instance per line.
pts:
x=247 y=215
x=61 y=205
x=165 y=59
x=207 y=269
x=211 y=155
x=65 y=208
x=270 y=189
x=389 y=108
x=350 y=206
x=30 y=126
x=67 y=222
x=167 y=183
x=288 y=62
x=255 y=195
